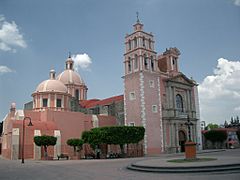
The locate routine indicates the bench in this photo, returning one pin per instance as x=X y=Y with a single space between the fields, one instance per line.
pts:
x=63 y=156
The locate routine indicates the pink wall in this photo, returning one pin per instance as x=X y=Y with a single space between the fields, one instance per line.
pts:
x=133 y=109
x=153 y=119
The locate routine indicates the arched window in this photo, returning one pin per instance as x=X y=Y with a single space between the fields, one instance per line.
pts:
x=179 y=102
x=152 y=64
x=136 y=62
x=135 y=42
x=77 y=94
x=129 y=45
x=150 y=47
x=129 y=65
x=145 y=61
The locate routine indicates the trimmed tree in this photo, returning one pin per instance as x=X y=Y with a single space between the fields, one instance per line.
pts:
x=118 y=135
x=216 y=136
x=45 y=141
x=75 y=143
x=211 y=126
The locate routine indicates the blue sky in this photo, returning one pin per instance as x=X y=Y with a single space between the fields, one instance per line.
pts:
x=45 y=31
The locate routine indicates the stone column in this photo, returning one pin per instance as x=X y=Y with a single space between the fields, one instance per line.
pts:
x=95 y=121
x=41 y=105
x=62 y=105
x=141 y=62
x=172 y=135
x=57 y=147
x=55 y=100
x=15 y=144
x=176 y=138
x=49 y=100
x=37 y=149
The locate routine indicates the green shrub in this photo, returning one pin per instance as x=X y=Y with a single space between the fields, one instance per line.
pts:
x=216 y=136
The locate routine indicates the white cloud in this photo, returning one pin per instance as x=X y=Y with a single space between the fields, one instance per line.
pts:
x=237 y=108
x=81 y=60
x=220 y=93
x=5 y=69
x=236 y=2
x=10 y=37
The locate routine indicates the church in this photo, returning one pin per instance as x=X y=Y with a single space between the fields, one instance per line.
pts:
x=157 y=96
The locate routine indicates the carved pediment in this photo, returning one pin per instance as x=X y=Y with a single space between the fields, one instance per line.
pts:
x=181 y=78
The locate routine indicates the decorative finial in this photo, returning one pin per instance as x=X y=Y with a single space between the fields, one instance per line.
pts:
x=137 y=17
x=69 y=54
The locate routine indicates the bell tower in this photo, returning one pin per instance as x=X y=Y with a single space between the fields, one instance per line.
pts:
x=142 y=87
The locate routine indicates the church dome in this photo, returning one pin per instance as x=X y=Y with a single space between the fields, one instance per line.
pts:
x=69 y=76
x=51 y=85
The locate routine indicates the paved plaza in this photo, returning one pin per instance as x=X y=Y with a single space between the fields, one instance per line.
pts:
x=108 y=169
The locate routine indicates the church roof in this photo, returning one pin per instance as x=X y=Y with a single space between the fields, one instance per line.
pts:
x=96 y=102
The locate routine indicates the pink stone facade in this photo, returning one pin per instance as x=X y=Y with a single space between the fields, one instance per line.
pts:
x=157 y=95
x=51 y=115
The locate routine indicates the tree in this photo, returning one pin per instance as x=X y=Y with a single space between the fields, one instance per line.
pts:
x=75 y=143
x=216 y=136
x=211 y=126
x=118 y=135
x=45 y=141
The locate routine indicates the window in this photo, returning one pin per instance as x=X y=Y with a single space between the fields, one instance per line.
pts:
x=77 y=94
x=136 y=62
x=132 y=96
x=179 y=103
x=45 y=102
x=131 y=124
x=59 y=103
x=135 y=42
x=145 y=61
x=143 y=41
x=151 y=83
x=154 y=108
x=129 y=65
x=152 y=64
x=129 y=45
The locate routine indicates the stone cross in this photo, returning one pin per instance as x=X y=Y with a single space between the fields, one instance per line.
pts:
x=137 y=17
x=189 y=124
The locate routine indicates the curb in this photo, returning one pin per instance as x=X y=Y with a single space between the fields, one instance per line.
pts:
x=226 y=168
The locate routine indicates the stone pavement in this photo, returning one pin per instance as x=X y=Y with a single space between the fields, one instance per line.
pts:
x=227 y=161
x=106 y=169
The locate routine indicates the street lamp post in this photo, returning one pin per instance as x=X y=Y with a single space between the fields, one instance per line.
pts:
x=23 y=134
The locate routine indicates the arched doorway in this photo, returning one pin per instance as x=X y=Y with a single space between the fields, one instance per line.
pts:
x=182 y=140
